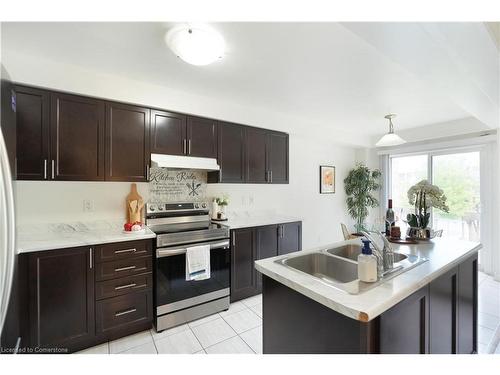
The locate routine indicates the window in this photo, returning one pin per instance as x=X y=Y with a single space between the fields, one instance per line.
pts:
x=457 y=174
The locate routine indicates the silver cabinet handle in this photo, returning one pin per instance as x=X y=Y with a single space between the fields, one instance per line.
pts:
x=271 y=176
x=125 y=312
x=189 y=147
x=45 y=169
x=125 y=286
x=53 y=169
x=167 y=252
x=91 y=258
x=125 y=251
x=184 y=146
x=234 y=240
x=147 y=172
x=125 y=268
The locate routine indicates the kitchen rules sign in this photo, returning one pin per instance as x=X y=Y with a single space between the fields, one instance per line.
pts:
x=177 y=185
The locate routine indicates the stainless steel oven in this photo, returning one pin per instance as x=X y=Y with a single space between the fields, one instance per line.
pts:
x=177 y=300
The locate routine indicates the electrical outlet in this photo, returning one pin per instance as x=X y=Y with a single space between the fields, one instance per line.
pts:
x=88 y=205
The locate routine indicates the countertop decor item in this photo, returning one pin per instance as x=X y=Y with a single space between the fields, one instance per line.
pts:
x=134 y=205
x=390 y=139
x=326 y=179
x=359 y=185
x=221 y=204
x=423 y=196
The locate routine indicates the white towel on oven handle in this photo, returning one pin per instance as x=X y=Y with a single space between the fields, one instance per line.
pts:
x=198 y=263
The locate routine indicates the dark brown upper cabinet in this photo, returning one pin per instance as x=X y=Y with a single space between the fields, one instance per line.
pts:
x=168 y=133
x=127 y=142
x=32 y=116
x=201 y=137
x=61 y=289
x=266 y=156
x=277 y=157
x=77 y=138
x=231 y=152
x=256 y=170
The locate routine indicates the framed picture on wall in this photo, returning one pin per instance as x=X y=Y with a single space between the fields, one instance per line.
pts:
x=326 y=179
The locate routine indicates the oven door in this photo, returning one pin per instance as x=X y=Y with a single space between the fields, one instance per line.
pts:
x=174 y=292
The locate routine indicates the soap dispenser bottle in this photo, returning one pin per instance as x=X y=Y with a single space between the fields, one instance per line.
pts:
x=367 y=264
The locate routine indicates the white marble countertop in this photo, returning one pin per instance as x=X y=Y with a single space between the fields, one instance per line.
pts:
x=246 y=220
x=38 y=237
x=443 y=254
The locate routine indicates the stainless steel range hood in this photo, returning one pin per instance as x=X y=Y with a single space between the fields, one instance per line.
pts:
x=184 y=162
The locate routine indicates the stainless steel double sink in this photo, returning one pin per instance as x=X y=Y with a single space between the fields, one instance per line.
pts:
x=338 y=267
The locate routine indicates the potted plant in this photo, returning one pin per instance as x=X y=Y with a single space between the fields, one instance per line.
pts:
x=423 y=196
x=359 y=185
x=222 y=202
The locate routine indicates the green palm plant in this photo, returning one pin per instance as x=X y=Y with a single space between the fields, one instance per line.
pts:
x=359 y=185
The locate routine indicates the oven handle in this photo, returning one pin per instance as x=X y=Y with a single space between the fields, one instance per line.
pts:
x=167 y=252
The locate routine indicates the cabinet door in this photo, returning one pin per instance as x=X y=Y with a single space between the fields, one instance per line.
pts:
x=277 y=154
x=202 y=137
x=61 y=284
x=255 y=156
x=443 y=313
x=127 y=142
x=404 y=328
x=230 y=152
x=168 y=133
x=290 y=238
x=32 y=133
x=77 y=138
x=267 y=246
x=243 y=255
x=467 y=306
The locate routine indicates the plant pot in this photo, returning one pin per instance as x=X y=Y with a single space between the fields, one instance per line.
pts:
x=419 y=233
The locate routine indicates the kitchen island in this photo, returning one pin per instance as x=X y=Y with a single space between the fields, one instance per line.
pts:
x=431 y=308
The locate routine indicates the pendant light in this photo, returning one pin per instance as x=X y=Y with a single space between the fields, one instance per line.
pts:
x=196 y=44
x=390 y=139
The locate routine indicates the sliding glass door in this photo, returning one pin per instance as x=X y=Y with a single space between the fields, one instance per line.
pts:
x=457 y=174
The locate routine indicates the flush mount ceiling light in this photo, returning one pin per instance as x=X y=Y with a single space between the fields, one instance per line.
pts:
x=195 y=44
x=390 y=139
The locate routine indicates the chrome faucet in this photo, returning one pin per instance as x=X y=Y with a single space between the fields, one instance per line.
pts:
x=385 y=256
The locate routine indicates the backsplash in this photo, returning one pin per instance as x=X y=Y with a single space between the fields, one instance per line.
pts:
x=177 y=185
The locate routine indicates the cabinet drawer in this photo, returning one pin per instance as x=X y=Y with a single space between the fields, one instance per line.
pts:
x=118 y=312
x=121 y=268
x=123 y=285
x=123 y=250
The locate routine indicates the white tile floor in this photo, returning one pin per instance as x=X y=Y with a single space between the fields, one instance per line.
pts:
x=239 y=330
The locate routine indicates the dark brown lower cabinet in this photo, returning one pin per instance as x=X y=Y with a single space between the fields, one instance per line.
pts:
x=443 y=313
x=290 y=237
x=243 y=254
x=61 y=297
x=467 y=306
x=404 y=328
x=254 y=243
x=71 y=309
x=441 y=317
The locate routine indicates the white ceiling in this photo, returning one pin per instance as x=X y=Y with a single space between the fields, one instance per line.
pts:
x=317 y=71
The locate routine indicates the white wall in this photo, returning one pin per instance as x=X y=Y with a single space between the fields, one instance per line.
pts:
x=63 y=201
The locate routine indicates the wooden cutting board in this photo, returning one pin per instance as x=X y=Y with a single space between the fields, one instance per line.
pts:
x=134 y=205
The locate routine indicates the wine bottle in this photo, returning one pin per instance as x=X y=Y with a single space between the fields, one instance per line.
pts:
x=389 y=218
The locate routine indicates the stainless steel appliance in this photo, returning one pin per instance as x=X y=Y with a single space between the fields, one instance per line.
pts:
x=9 y=321
x=177 y=227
